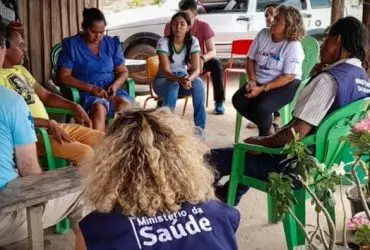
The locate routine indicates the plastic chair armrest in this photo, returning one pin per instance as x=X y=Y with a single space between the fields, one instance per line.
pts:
x=257 y=148
x=59 y=111
x=130 y=83
x=308 y=141
x=44 y=136
x=75 y=95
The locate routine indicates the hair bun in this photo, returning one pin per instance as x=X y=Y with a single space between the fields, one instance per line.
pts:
x=85 y=12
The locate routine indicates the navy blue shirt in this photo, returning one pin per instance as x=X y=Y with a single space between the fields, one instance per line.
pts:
x=211 y=225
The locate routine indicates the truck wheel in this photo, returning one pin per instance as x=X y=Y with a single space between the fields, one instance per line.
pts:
x=142 y=52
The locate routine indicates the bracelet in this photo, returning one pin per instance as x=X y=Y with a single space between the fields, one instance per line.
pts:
x=202 y=57
x=266 y=88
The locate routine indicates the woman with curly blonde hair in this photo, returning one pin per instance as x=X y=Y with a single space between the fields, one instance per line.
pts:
x=274 y=69
x=153 y=190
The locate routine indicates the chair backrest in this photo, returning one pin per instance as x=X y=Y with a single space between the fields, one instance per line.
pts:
x=328 y=146
x=311 y=50
x=152 y=66
x=241 y=47
x=311 y=57
x=55 y=51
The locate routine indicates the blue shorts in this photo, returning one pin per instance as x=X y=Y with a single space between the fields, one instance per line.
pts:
x=89 y=100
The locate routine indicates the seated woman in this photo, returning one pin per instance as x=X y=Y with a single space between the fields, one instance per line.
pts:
x=93 y=63
x=274 y=69
x=175 y=78
x=152 y=189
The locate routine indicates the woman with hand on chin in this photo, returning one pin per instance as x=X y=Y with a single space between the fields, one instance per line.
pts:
x=274 y=69
x=175 y=77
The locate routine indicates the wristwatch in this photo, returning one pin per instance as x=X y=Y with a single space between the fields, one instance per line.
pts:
x=266 y=88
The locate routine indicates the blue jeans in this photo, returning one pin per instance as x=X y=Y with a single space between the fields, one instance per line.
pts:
x=169 y=91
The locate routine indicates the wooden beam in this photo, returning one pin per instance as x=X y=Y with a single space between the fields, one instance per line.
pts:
x=366 y=22
x=64 y=15
x=36 y=189
x=80 y=8
x=46 y=38
x=35 y=39
x=35 y=227
x=366 y=14
x=56 y=23
x=337 y=10
x=72 y=9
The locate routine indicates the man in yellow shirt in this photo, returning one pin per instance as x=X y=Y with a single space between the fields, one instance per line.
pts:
x=69 y=141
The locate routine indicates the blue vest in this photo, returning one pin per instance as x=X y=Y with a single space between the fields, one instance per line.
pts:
x=211 y=225
x=353 y=84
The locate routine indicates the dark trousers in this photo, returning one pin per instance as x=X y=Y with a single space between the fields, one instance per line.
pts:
x=256 y=166
x=260 y=109
x=217 y=74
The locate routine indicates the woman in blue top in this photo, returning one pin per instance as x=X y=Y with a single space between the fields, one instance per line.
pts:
x=152 y=189
x=94 y=63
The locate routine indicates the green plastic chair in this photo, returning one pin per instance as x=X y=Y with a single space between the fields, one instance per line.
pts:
x=311 y=50
x=328 y=150
x=49 y=162
x=71 y=93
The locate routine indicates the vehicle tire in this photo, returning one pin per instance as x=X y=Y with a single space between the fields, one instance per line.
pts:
x=141 y=52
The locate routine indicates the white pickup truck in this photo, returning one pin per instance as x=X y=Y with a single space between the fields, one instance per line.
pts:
x=139 y=29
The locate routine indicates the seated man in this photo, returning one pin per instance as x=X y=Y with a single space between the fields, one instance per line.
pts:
x=208 y=61
x=69 y=141
x=18 y=139
x=340 y=81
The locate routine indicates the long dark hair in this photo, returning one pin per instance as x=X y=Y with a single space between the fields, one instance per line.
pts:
x=188 y=38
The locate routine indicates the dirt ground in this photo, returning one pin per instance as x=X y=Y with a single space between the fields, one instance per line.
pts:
x=254 y=233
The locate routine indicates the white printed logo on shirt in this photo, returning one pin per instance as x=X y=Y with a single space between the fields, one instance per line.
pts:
x=182 y=224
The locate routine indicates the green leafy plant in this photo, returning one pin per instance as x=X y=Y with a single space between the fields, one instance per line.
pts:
x=318 y=180
x=362 y=236
x=359 y=139
x=136 y=3
x=157 y=2
x=359 y=224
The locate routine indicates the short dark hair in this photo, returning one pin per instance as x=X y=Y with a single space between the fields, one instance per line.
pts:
x=2 y=33
x=90 y=16
x=354 y=36
x=187 y=5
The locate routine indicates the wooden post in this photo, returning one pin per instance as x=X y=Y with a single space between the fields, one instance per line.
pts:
x=35 y=228
x=366 y=22
x=337 y=10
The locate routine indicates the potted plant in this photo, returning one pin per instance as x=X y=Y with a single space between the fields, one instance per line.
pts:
x=320 y=182
x=359 y=139
x=360 y=225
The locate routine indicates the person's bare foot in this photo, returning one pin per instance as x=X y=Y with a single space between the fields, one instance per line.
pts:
x=251 y=125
